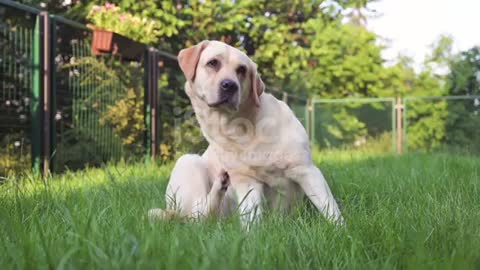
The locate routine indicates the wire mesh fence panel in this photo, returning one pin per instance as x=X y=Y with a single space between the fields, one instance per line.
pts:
x=17 y=30
x=177 y=127
x=354 y=124
x=450 y=124
x=297 y=104
x=299 y=107
x=278 y=94
x=99 y=109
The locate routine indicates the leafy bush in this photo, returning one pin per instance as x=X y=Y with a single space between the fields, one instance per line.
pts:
x=126 y=116
x=426 y=123
x=14 y=154
x=463 y=125
x=463 y=121
x=351 y=123
x=114 y=97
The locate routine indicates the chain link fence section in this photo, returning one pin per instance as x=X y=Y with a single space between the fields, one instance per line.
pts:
x=17 y=74
x=447 y=124
x=99 y=106
x=61 y=106
x=298 y=104
x=350 y=124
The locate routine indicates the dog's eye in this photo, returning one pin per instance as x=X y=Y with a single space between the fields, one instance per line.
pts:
x=212 y=63
x=241 y=70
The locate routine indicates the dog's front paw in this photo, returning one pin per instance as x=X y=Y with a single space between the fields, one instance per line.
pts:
x=155 y=214
x=225 y=181
x=222 y=183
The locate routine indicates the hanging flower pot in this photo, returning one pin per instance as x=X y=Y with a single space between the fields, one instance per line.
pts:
x=107 y=42
x=110 y=23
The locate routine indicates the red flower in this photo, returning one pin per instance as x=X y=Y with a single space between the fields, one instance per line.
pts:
x=109 y=5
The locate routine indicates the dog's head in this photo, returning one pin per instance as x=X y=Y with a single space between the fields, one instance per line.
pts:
x=220 y=75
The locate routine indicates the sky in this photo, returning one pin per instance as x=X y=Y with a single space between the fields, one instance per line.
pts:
x=412 y=25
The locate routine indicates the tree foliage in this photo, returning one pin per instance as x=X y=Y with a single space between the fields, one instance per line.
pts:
x=315 y=48
x=464 y=78
x=463 y=121
x=300 y=46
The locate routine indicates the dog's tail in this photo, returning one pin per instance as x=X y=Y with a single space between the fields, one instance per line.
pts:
x=157 y=214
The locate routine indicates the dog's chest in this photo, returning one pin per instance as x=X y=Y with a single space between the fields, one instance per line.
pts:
x=269 y=169
x=272 y=176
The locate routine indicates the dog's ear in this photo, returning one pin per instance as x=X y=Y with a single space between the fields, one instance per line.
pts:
x=257 y=85
x=188 y=59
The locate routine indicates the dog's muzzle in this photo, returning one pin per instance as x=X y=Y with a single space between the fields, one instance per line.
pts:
x=227 y=93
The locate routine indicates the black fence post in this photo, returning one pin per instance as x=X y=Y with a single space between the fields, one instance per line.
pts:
x=150 y=88
x=53 y=93
x=146 y=103
x=154 y=103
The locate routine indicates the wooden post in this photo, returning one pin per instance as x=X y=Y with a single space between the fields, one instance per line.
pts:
x=149 y=103
x=285 y=97
x=154 y=97
x=310 y=121
x=399 y=111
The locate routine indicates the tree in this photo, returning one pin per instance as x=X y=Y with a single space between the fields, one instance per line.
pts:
x=463 y=121
x=301 y=47
x=440 y=57
x=316 y=48
x=464 y=77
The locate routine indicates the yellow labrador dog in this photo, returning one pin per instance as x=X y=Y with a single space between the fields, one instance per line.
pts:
x=194 y=192
x=253 y=136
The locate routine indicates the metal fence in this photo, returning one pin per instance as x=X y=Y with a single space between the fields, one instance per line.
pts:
x=19 y=77
x=60 y=106
x=442 y=123
x=354 y=123
x=63 y=108
x=298 y=104
x=90 y=94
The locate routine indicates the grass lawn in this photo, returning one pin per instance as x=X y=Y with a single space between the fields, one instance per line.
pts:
x=418 y=211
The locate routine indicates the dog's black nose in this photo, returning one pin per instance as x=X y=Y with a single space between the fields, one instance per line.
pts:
x=229 y=85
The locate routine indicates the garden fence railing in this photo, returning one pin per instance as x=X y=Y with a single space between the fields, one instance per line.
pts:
x=63 y=108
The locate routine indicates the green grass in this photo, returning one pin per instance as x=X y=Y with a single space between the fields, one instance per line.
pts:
x=418 y=211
